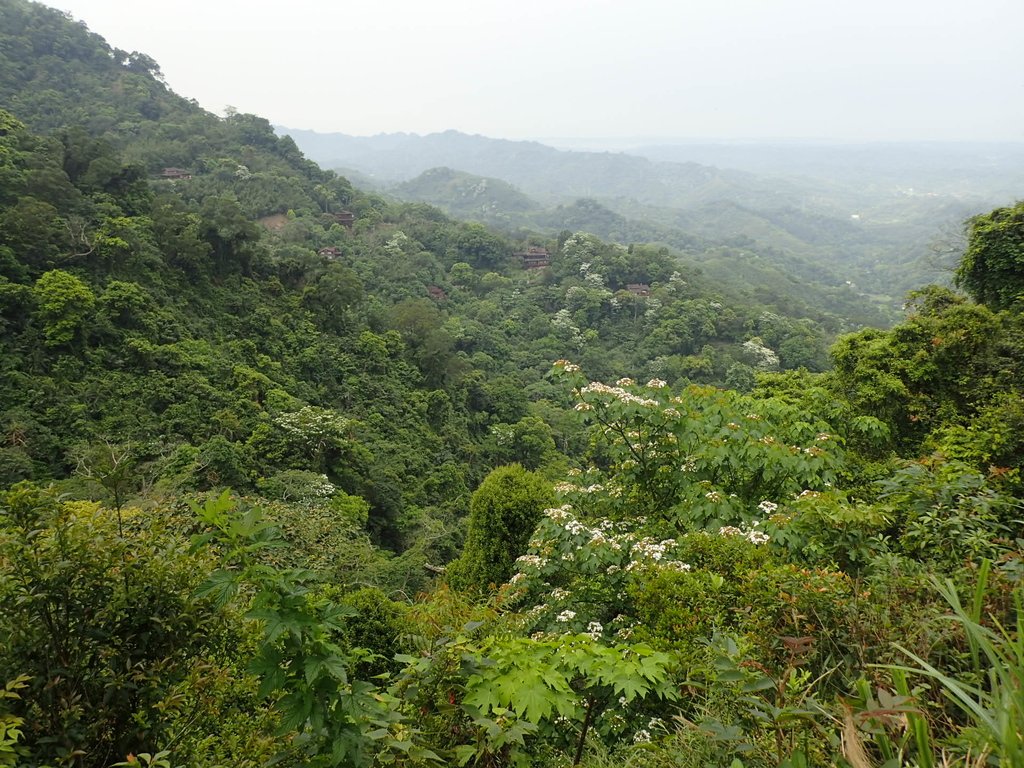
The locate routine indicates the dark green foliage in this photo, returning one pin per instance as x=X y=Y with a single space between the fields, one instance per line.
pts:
x=101 y=618
x=502 y=514
x=379 y=625
x=992 y=269
x=939 y=367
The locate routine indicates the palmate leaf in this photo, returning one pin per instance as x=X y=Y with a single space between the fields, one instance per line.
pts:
x=271 y=679
x=333 y=665
x=482 y=696
x=295 y=708
x=464 y=753
x=629 y=687
x=274 y=622
x=220 y=587
x=533 y=701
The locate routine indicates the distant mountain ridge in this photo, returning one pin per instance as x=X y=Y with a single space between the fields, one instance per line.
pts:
x=815 y=213
x=542 y=172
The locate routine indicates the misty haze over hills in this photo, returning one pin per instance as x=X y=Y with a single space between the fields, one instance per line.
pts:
x=882 y=216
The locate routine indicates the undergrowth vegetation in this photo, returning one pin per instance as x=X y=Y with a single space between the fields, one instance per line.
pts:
x=278 y=490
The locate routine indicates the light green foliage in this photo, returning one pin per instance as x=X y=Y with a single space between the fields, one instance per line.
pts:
x=991 y=694
x=568 y=676
x=10 y=724
x=783 y=709
x=297 y=485
x=65 y=305
x=574 y=577
x=992 y=441
x=527 y=442
x=948 y=514
x=936 y=369
x=503 y=513
x=364 y=391
x=476 y=245
x=827 y=528
x=379 y=625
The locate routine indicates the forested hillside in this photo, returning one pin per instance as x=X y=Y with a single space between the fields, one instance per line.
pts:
x=293 y=474
x=878 y=217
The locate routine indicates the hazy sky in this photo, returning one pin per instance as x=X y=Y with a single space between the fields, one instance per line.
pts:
x=872 y=69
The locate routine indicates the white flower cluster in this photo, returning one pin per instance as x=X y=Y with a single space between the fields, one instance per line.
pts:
x=648 y=552
x=565 y=616
x=566 y=366
x=600 y=535
x=504 y=434
x=563 y=319
x=677 y=565
x=532 y=561
x=594 y=629
x=313 y=424
x=767 y=507
x=617 y=392
x=598 y=538
x=575 y=527
x=754 y=536
x=321 y=488
x=764 y=358
x=651 y=549
x=559 y=514
x=576 y=296
x=396 y=244
x=656 y=384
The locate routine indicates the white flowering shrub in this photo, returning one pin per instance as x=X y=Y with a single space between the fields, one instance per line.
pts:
x=574 y=576
x=764 y=358
x=314 y=430
x=297 y=485
x=700 y=459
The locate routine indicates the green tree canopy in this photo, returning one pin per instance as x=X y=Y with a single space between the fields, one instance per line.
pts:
x=992 y=269
x=503 y=512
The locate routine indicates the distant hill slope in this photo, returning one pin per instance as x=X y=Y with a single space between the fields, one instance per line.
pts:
x=542 y=172
x=466 y=195
x=845 y=217
x=56 y=74
x=988 y=169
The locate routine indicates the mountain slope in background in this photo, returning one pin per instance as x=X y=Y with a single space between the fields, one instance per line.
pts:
x=542 y=172
x=853 y=212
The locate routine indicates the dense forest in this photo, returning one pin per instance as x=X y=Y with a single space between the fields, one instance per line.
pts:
x=296 y=474
x=869 y=222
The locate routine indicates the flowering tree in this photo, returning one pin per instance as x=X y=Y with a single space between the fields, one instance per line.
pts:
x=702 y=458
